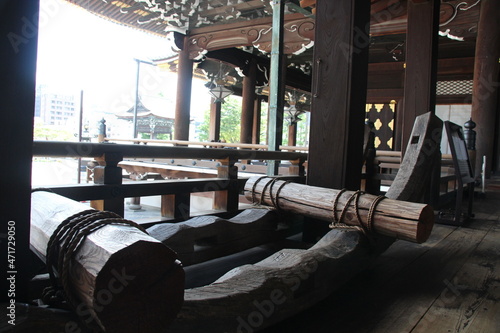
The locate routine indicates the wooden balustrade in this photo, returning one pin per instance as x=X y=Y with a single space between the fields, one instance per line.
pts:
x=109 y=192
x=207 y=144
x=217 y=172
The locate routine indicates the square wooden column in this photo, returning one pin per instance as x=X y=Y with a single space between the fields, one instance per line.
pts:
x=339 y=98
x=339 y=93
x=421 y=63
x=486 y=83
x=19 y=37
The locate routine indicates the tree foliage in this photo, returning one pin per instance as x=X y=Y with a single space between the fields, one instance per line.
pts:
x=50 y=133
x=229 y=123
x=231 y=119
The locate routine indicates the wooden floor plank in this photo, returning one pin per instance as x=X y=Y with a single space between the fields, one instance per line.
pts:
x=413 y=290
x=469 y=303
x=376 y=302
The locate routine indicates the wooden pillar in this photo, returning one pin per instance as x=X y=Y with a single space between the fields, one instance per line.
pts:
x=248 y=103
x=339 y=98
x=485 y=86
x=292 y=134
x=276 y=85
x=496 y=161
x=339 y=93
x=267 y=122
x=421 y=63
x=183 y=100
x=214 y=130
x=398 y=126
x=257 y=112
x=18 y=45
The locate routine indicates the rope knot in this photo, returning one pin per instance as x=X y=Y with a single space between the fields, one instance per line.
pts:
x=337 y=222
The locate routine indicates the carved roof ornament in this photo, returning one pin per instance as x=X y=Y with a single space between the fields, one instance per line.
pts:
x=450 y=22
x=184 y=15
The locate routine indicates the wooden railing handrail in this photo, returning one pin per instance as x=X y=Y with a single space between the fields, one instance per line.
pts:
x=396 y=153
x=85 y=149
x=388 y=153
x=84 y=192
x=210 y=144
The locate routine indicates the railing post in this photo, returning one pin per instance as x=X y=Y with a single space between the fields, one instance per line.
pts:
x=372 y=185
x=176 y=206
x=102 y=130
x=297 y=168
x=108 y=172
x=135 y=202
x=470 y=142
x=227 y=200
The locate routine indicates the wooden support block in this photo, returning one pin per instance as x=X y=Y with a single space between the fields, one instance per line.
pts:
x=108 y=172
x=176 y=205
x=227 y=200
x=297 y=168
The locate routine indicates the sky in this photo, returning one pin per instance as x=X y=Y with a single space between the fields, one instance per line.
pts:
x=80 y=51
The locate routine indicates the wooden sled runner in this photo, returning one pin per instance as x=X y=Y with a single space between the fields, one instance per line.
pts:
x=249 y=297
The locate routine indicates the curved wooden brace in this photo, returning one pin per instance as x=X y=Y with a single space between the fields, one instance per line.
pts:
x=252 y=297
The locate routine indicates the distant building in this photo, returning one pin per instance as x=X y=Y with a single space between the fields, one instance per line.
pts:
x=56 y=107
x=149 y=122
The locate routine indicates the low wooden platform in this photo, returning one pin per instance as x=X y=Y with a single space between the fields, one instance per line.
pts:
x=451 y=283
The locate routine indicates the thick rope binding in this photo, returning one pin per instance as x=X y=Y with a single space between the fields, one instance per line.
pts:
x=274 y=198
x=337 y=222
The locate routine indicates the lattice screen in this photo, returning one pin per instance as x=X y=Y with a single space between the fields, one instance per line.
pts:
x=382 y=117
x=458 y=87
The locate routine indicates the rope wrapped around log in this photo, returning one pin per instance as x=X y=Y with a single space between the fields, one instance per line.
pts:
x=394 y=218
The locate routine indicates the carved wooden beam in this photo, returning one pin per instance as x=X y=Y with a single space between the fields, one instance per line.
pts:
x=299 y=35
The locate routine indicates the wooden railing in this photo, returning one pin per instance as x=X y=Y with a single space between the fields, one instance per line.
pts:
x=388 y=163
x=207 y=144
x=108 y=192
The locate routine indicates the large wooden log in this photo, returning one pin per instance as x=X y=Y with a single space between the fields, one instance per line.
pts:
x=124 y=280
x=399 y=219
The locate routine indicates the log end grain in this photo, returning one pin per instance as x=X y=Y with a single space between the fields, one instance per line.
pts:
x=140 y=289
x=425 y=224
